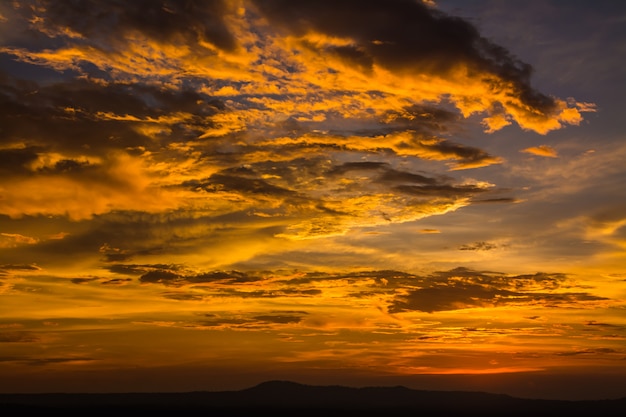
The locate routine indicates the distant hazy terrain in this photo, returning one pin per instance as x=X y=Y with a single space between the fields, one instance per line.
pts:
x=279 y=398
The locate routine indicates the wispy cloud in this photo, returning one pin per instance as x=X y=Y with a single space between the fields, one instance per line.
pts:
x=542 y=150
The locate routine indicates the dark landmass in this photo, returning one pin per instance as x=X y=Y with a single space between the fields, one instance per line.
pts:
x=283 y=398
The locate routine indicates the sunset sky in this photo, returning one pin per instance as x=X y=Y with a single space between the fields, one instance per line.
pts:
x=204 y=195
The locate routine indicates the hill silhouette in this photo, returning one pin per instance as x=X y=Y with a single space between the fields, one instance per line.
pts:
x=282 y=398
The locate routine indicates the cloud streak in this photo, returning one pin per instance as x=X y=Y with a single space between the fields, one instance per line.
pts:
x=456 y=289
x=542 y=150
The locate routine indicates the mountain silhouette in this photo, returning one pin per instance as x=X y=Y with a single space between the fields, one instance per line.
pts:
x=286 y=398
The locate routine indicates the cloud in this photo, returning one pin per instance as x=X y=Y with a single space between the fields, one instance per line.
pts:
x=118 y=115
x=64 y=152
x=136 y=269
x=189 y=129
x=596 y=351
x=166 y=276
x=456 y=289
x=252 y=321
x=352 y=194
x=8 y=271
x=447 y=49
x=15 y=239
x=586 y=169
x=542 y=150
x=34 y=361
x=599 y=324
x=281 y=318
x=83 y=280
x=606 y=225
x=20 y=267
x=18 y=337
x=338 y=69
x=161 y=277
x=127 y=41
x=479 y=246
x=464 y=288
x=194 y=22
x=116 y=281
x=464 y=156
x=119 y=182
x=134 y=165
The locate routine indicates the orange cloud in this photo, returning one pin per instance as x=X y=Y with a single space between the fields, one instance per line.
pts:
x=10 y=240
x=120 y=182
x=542 y=150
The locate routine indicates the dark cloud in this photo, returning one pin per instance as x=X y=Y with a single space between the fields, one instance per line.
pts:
x=227 y=276
x=18 y=337
x=450 y=297
x=357 y=166
x=116 y=281
x=597 y=351
x=381 y=278
x=404 y=36
x=447 y=191
x=243 y=184
x=353 y=56
x=14 y=161
x=455 y=289
x=394 y=176
x=286 y=292
x=83 y=280
x=279 y=318
x=381 y=172
x=286 y=183
x=102 y=281
x=136 y=269
x=8 y=270
x=117 y=257
x=169 y=277
x=255 y=321
x=479 y=246
x=19 y=267
x=104 y=22
x=162 y=277
x=79 y=116
x=464 y=288
x=422 y=118
x=464 y=156
x=83 y=117
x=32 y=361
x=228 y=322
x=599 y=324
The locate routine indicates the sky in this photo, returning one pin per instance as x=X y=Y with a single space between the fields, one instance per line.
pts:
x=204 y=195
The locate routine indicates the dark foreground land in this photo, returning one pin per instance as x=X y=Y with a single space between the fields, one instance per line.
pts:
x=279 y=398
